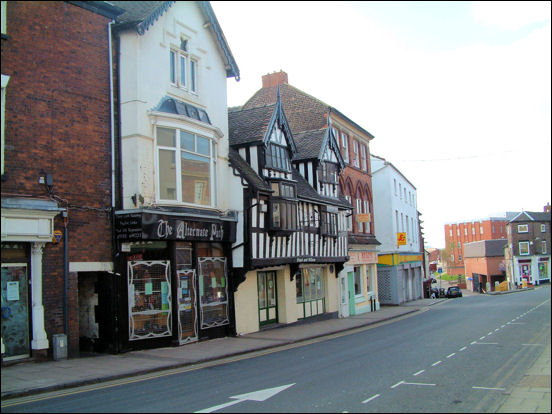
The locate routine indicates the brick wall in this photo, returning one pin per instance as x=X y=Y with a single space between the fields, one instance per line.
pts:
x=57 y=121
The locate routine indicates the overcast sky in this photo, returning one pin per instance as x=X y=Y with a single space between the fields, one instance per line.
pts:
x=457 y=94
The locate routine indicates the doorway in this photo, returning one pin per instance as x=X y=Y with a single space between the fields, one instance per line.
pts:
x=344 y=295
x=266 y=288
x=15 y=311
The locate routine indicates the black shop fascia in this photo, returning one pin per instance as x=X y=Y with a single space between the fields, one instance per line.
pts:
x=176 y=284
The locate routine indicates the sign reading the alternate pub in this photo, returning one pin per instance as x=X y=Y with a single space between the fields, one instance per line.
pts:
x=148 y=226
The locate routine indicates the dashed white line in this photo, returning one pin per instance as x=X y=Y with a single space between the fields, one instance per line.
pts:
x=370 y=399
x=496 y=329
x=451 y=355
x=461 y=349
x=490 y=333
x=487 y=343
x=435 y=363
x=489 y=388
x=419 y=372
x=474 y=342
x=532 y=344
x=502 y=326
x=483 y=337
x=418 y=383
x=397 y=384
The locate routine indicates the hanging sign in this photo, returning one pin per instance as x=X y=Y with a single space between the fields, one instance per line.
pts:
x=363 y=218
x=57 y=236
x=401 y=239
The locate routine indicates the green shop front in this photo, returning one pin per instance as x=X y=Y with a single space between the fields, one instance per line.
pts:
x=173 y=272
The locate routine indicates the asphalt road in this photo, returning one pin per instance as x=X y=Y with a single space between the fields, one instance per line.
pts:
x=462 y=355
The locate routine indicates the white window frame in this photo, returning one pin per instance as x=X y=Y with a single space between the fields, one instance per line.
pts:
x=523 y=228
x=350 y=218
x=363 y=159
x=524 y=243
x=465 y=231
x=190 y=81
x=366 y=211
x=5 y=80
x=213 y=154
x=345 y=146
x=359 y=211
x=480 y=229
x=543 y=246
x=356 y=154
x=543 y=228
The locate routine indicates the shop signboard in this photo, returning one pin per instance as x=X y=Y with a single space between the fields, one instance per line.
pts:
x=149 y=226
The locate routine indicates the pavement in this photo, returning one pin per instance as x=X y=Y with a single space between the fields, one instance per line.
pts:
x=28 y=378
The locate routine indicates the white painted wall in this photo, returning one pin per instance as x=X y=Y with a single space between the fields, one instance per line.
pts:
x=386 y=202
x=144 y=80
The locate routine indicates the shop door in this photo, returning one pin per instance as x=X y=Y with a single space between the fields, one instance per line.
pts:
x=351 y=280
x=187 y=312
x=15 y=311
x=266 y=286
x=344 y=296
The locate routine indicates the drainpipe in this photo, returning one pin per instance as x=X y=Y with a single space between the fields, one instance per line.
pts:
x=115 y=281
x=65 y=271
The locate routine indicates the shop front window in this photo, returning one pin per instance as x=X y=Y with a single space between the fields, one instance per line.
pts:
x=213 y=291
x=310 y=292
x=149 y=299
x=358 y=281
x=543 y=270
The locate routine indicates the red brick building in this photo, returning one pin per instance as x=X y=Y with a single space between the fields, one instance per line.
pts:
x=484 y=264
x=456 y=234
x=56 y=174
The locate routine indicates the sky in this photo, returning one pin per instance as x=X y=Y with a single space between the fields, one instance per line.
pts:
x=456 y=94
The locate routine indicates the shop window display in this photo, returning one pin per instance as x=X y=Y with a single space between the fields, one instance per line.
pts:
x=213 y=291
x=149 y=299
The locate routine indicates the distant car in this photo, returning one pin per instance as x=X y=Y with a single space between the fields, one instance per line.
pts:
x=454 y=292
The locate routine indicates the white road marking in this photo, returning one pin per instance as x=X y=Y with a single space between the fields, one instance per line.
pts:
x=483 y=337
x=418 y=383
x=435 y=363
x=397 y=384
x=451 y=355
x=496 y=329
x=487 y=343
x=461 y=349
x=488 y=388
x=370 y=399
x=419 y=372
x=490 y=333
x=502 y=326
x=474 y=342
x=532 y=344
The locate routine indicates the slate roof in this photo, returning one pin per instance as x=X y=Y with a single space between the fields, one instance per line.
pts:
x=143 y=14
x=525 y=216
x=308 y=144
x=246 y=172
x=174 y=106
x=306 y=192
x=248 y=126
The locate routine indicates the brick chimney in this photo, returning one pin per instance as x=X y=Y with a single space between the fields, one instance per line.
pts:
x=275 y=79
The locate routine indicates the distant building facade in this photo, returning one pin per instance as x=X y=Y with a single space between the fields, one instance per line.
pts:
x=484 y=264
x=401 y=254
x=528 y=250
x=456 y=234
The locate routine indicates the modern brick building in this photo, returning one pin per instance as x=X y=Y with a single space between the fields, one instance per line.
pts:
x=56 y=173
x=484 y=264
x=456 y=234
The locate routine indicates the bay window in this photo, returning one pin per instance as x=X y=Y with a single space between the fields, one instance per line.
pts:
x=283 y=215
x=186 y=165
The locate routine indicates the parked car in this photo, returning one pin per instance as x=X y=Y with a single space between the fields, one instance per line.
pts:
x=454 y=292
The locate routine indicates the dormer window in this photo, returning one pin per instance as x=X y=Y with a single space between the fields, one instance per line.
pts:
x=277 y=156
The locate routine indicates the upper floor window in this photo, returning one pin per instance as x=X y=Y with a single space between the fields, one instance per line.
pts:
x=366 y=211
x=183 y=69
x=395 y=185
x=356 y=155
x=523 y=228
x=327 y=173
x=283 y=215
x=480 y=230
x=186 y=166
x=458 y=232
x=543 y=228
x=450 y=232
x=350 y=216
x=465 y=231
x=363 y=162
x=524 y=248
x=283 y=189
x=328 y=225
x=345 y=146
x=277 y=156
x=543 y=247
x=400 y=191
x=473 y=230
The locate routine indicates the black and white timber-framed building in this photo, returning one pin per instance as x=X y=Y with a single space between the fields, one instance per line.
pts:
x=292 y=237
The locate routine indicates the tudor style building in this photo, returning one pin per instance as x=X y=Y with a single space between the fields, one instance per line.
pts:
x=294 y=239
x=174 y=220
x=358 y=292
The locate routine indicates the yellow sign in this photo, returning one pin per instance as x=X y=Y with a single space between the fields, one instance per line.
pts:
x=401 y=239
x=363 y=218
